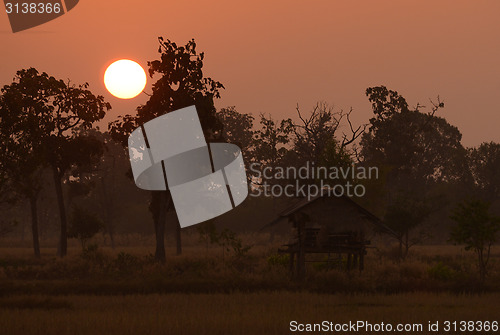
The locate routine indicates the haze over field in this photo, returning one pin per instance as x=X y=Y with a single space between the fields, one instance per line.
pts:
x=273 y=55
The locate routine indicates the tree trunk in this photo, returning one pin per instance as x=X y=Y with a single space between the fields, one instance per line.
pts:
x=108 y=207
x=63 y=242
x=178 y=238
x=112 y=236
x=407 y=243
x=301 y=256
x=400 y=250
x=290 y=263
x=34 y=226
x=163 y=199
x=482 y=267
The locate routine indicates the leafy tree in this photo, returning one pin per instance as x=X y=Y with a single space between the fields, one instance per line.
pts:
x=385 y=103
x=415 y=144
x=477 y=228
x=484 y=162
x=76 y=109
x=24 y=173
x=420 y=152
x=84 y=225
x=22 y=106
x=46 y=114
x=181 y=84
x=94 y=180
x=111 y=183
x=237 y=129
x=404 y=215
x=271 y=140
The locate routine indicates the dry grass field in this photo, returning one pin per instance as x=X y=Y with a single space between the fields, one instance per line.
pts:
x=210 y=291
x=235 y=313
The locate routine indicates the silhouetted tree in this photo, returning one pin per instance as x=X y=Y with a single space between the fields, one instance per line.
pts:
x=111 y=182
x=403 y=215
x=484 y=162
x=22 y=106
x=75 y=108
x=49 y=111
x=238 y=129
x=23 y=167
x=419 y=150
x=83 y=225
x=314 y=133
x=271 y=141
x=477 y=228
x=415 y=144
x=181 y=84
x=320 y=139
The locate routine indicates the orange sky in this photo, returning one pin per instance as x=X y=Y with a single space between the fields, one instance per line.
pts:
x=273 y=55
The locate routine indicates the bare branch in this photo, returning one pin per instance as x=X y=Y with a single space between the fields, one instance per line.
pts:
x=436 y=106
x=355 y=133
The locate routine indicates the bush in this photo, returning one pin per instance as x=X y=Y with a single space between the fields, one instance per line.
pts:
x=441 y=271
x=83 y=225
x=278 y=260
x=92 y=254
x=125 y=262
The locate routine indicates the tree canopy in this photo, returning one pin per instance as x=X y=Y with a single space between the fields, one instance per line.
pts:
x=181 y=84
x=41 y=119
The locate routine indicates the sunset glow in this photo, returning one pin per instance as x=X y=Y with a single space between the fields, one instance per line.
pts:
x=125 y=79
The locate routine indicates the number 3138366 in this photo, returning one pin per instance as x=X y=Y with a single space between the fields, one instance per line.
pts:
x=32 y=8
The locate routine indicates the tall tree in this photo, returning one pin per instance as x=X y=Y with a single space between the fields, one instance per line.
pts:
x=415 y=144
x=477 y=228
x=21 y=166
x=111 y=170
x=238 y=129
x=484 y=162
x=48 y=112
x=271 y=141
x=181 y=84
x=420 y=152
x=75 y=108
x=22 y=106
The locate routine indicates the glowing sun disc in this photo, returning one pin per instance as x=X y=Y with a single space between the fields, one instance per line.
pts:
x=125 y=79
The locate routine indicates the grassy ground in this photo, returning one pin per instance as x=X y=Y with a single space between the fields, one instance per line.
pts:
x=236 y=313
x=210 y=291
x=211 y=269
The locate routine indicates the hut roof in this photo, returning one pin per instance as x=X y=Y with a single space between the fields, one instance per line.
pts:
x=305 y=202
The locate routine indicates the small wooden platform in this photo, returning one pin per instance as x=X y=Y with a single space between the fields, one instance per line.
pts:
x=309 y=241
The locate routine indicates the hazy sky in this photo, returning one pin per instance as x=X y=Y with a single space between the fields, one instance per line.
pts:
x=273 y=55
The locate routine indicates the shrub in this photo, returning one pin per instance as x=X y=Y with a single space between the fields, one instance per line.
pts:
x=92 y=254
x=278 y=260
x=83 y=225
x=125 y=262
x=441 y=271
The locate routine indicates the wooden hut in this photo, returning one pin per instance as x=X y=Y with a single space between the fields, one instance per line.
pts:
x=336 y=226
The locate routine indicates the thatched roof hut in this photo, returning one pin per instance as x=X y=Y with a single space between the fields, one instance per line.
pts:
x=336 y=214
x=331 y=225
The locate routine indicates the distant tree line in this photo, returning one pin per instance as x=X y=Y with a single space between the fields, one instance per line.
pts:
x=49 y=140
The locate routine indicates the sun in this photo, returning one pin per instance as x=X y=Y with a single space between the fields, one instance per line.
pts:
x=125 y=79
